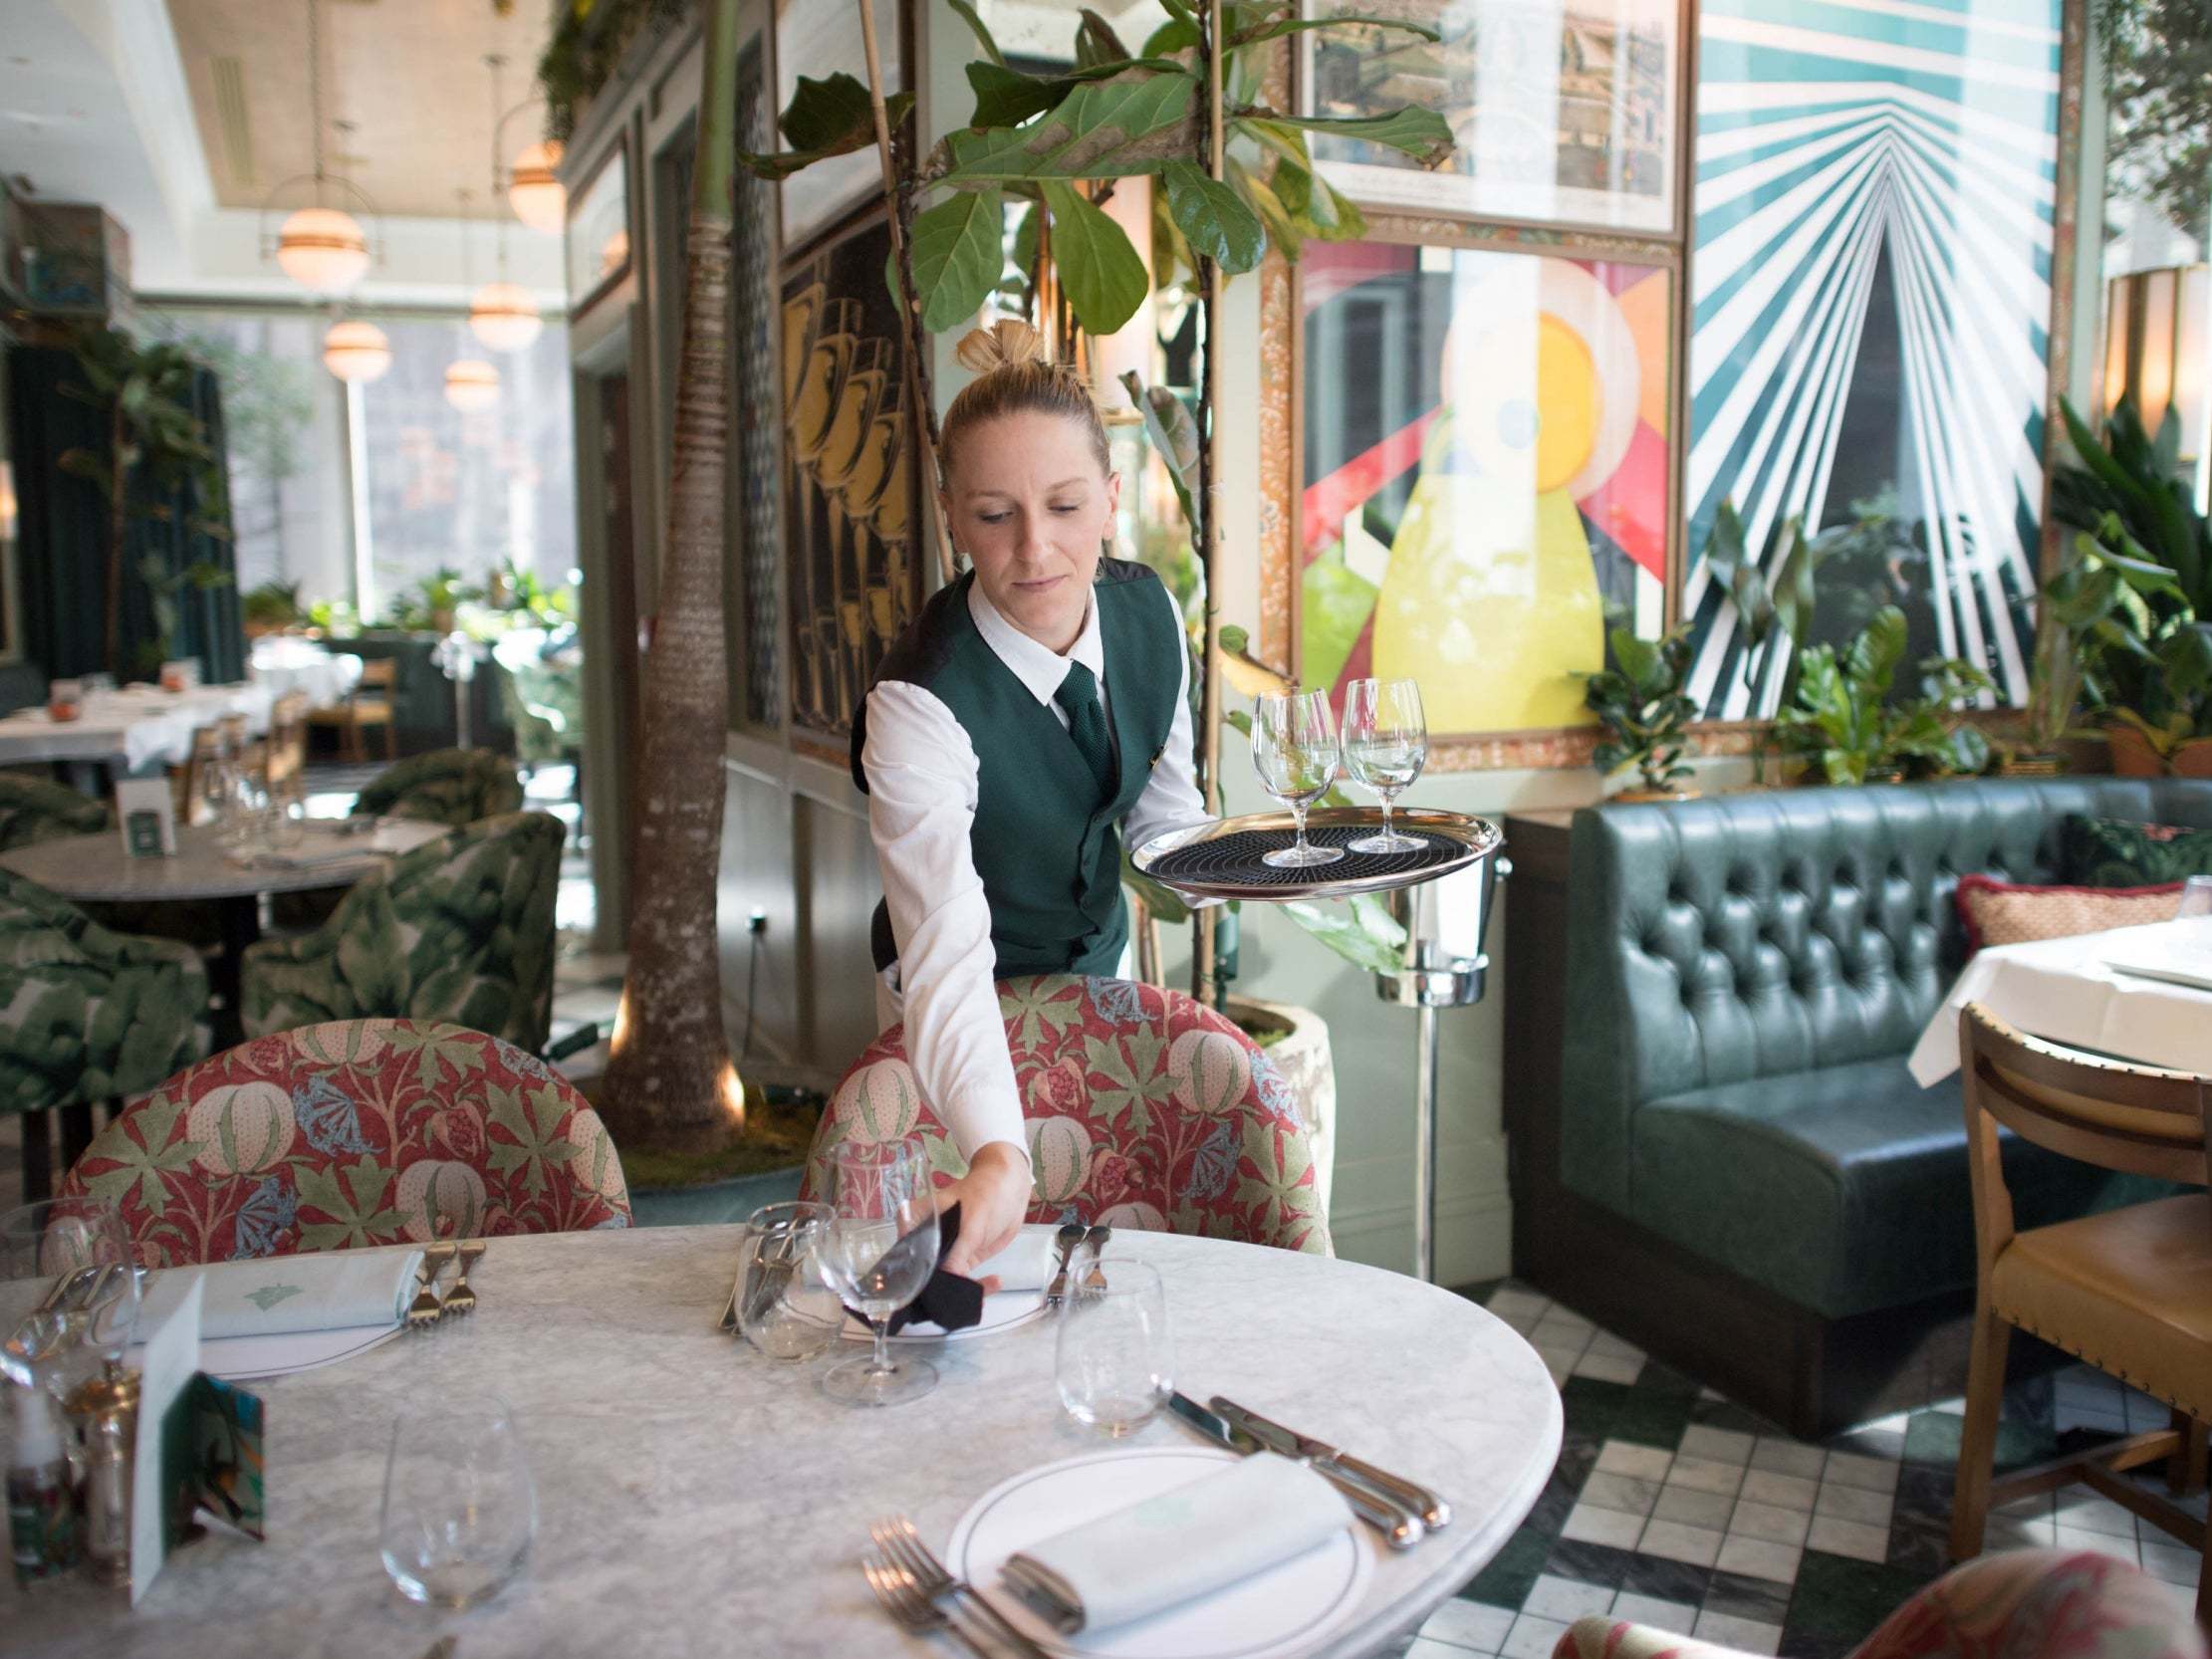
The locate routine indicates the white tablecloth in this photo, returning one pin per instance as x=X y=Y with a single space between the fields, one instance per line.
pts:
x=2061 y=990
x=283 y=666
x=134 y=728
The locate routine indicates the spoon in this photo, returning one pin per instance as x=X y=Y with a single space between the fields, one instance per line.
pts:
x=1070 y=1235
x=1094 y=1243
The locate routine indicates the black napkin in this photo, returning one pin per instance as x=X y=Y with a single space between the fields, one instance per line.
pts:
x=949 y=1300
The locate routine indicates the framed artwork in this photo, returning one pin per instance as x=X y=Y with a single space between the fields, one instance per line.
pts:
x=598 y=233
x=1876 y=212
x=755 y=647
x=1486 y=474
x=1564 y=110
x=852 y=564
x=818 y=41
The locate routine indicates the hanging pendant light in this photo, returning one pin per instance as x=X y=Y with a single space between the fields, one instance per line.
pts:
x=534 y=191
x=471 y=384
x=322 y=248
x=355 y=351
x=502 y=314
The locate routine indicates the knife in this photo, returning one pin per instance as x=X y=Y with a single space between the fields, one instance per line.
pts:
x=1432 y=1509
x=1400 y=1528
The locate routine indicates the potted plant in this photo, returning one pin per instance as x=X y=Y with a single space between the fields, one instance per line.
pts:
x=1844 y=725
x=1644 y=710
x=2139 y=598
x=271 y=608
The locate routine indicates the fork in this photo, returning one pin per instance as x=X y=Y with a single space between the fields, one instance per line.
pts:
x=427 y=1308
x=903 y=1549
x=904 y=1600
x=461 y=1298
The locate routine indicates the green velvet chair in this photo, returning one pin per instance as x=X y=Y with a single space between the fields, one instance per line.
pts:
x=446 y=786
x=86 y=1015
x=459 y=930
x=38 y=810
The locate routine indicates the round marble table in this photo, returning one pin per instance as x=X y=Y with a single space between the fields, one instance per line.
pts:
x=696 y=1498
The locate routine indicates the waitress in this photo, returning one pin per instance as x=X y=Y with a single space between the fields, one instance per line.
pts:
x=1036 y=711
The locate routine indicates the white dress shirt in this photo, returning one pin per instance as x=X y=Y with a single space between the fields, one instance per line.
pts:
x=922 y=781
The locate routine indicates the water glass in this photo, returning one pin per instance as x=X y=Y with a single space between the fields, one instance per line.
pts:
x=784 y=1307
x=84 y=1239
x=881 y=1249
x=2196 y=897
x=1114 y=1364
x=460 y=1508
x=1294 y=750
x=1386 y=747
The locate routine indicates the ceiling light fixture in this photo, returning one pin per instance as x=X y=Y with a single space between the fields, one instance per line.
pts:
x=355 y=351
x=502 y=314
x=322 y=248
x=471 y=384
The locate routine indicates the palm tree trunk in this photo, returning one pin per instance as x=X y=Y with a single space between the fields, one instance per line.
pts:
x=669 y=1083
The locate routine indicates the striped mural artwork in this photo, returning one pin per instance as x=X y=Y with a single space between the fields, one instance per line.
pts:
x=1873 y=209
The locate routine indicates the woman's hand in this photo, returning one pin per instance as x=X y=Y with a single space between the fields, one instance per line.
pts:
x=993 y=1197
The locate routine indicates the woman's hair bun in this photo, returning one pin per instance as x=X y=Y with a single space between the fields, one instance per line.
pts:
x=1004 y=345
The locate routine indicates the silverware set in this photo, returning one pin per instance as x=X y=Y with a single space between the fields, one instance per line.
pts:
x=1077 y=1243
x=917 y=1590
x=430 y=1304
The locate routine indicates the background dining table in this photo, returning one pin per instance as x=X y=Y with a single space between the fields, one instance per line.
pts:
x=95 y=868
x=696 y=1497
x=129 y=730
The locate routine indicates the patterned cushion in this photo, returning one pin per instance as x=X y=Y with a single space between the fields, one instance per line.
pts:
x=2021 y=1604
x=460 y=929
x=1144 y=1109
x=2111 y=852
x=358 y=1132
x=2013 y=912
x=447 y=786
x=35 y=810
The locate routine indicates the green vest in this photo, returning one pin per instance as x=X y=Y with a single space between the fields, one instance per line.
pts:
x=1047 y=844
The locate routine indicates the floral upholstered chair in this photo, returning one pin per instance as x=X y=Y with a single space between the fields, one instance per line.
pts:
x=38 y=810
x=447 y=786
x=459 y=929
x=86 y=1015
x=1144 y=1109
x=2021 y=1604
x=358 y=1132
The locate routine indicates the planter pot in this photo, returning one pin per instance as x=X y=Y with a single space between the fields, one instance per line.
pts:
x=1302 y=1054
x=2193 y=759
x=715 y=1201
x=2133 y=755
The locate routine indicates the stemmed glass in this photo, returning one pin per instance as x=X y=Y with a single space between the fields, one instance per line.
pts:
x=881 y=1249
x=1294 y=749
x=1114 y=1363
x=460 y=1506
x=2196 y=897
x=82 y=1240
x=1385 y=746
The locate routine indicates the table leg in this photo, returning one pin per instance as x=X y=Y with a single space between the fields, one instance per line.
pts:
x=85 y=778
x=1424 y=1144
x=241 y=925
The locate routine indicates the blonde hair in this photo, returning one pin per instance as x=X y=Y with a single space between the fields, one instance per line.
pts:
x=1014 y=376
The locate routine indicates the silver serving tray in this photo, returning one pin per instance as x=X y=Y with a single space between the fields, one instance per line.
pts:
x=1474 y=839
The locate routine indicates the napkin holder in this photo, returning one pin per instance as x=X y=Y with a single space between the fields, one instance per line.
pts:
x=146 y=813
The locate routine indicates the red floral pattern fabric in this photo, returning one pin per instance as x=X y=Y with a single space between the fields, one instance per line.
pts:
x=2019 y=1604
x=1144 y=1109
x=352 y=1134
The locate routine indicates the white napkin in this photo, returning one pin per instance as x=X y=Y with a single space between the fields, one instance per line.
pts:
x=1183 y=1544
x=277 y=1295
x=1023 y=1265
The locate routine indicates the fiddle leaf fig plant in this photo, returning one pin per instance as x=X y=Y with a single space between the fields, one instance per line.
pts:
x=1641 y=704
x=1842 y=721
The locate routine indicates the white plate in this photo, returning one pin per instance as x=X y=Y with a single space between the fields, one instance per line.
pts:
x=1002 y=1311
x=1287 y=1610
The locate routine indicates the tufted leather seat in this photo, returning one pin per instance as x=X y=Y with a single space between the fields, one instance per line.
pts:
x=1748 y=972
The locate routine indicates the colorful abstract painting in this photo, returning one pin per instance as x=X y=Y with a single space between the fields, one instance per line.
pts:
x=1486 y=473
x=1873 y=205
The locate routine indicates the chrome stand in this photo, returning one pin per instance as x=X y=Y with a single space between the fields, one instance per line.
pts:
x=1445 y=921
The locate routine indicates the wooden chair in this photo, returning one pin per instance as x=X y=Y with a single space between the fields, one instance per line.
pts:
x=2129 y=1290
x=247 y=753
x=368 y=704
x=185 y=779
x=286 y=746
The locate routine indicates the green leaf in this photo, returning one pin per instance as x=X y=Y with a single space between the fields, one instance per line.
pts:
x=957 y=256
x=1234 y=640
x=1135 y=124
x=1214 y=218
x=826 y=118
x=1096 y=43
x=1175 y=437
x=1354 y=933
x=1270 y=207
x=1006 y=96
x=1298 y=26
x=1420 y=133
x=1102 y=274
x=967 y=15
x=1025 y=239
x=1177 y=34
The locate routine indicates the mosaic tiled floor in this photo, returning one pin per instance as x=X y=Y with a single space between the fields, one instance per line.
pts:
x=1672 y=1507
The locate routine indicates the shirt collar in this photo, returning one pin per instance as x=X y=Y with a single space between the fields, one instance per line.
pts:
x=1039 y=669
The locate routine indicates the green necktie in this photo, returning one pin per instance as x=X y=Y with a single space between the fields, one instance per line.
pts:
x=1079 y=695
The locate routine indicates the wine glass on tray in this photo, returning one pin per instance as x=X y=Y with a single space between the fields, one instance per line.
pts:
x=1386 y=747
x=1294 y=749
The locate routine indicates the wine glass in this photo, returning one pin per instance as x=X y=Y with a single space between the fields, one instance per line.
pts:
x=460 y=1506
x=2196 y=897
x=81 y=1239
x=881 y=1249
x=1294 y=749
x=1114 y=1363
x=1385 y=746
x=783 y=1307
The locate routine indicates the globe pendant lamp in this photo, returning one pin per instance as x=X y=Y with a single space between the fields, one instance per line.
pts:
x=504 y=316
x=322 y=248
x=471 y=384
x=357 y=351
x=534 y=191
